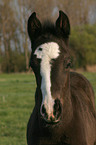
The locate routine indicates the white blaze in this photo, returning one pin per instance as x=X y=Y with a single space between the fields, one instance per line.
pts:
x=46 y=52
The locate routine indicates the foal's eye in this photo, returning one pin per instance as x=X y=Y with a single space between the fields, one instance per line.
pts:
x=40 y=49
x=68 y=65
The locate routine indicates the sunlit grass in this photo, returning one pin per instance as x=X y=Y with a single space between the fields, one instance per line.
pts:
x=16 y=104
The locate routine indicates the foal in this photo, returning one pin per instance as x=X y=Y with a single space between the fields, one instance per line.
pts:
x=64 y=112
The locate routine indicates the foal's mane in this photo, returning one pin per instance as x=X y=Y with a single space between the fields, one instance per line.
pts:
x=49 y=28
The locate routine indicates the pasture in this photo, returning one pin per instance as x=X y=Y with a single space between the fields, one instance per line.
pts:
x=16 y=104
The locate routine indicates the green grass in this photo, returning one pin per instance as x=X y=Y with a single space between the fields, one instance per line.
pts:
x=16 y=104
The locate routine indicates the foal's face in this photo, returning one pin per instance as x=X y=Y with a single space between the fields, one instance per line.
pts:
x=46 y=53
x=49 y=61
x=50 y=67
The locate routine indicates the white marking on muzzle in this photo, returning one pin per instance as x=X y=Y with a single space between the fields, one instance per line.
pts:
x=46 y=52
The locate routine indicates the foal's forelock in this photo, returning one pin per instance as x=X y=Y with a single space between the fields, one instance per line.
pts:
x=46 y=52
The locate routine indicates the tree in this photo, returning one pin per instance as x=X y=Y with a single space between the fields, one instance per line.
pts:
x=23 y=28
x=8 y=30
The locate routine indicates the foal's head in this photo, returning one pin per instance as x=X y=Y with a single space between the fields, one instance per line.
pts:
x=50 y=62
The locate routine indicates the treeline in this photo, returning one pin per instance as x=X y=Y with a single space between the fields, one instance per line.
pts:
x=83 y=45
x=15 y=47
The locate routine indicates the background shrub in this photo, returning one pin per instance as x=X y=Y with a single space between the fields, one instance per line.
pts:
x=83 y=45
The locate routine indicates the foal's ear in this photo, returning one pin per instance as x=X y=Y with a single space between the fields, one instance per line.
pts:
x=33 y=26
x=63 y=24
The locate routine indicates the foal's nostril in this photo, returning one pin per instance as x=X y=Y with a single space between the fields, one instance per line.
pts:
x=54 y=115
x=57 y=108
x=43 y=111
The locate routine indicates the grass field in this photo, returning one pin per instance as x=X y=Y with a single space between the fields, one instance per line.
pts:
x=16 y=104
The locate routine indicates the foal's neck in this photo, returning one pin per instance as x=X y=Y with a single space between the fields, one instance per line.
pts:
x=67 y=105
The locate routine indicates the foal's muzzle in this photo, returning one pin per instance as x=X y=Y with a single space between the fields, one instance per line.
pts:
x=54 y=116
